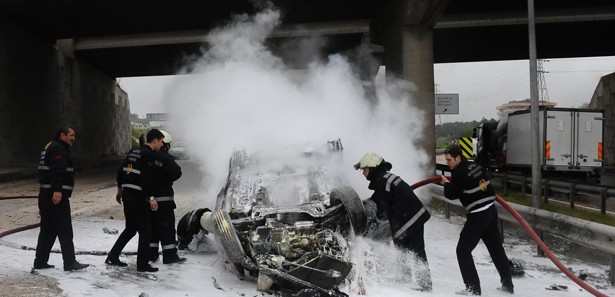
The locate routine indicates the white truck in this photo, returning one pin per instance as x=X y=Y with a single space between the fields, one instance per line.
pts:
x=570 y=139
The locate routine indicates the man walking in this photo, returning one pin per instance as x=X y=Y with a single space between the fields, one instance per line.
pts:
x=470 y=185
x=136 y=206
x=159 y=172
x=57 y=179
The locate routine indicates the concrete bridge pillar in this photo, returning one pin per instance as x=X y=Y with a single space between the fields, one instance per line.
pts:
x=42 y=88
x=405 y=29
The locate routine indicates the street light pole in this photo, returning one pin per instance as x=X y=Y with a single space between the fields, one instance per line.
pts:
x=535 y=151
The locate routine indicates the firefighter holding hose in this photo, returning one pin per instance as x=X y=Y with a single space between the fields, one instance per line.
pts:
x=471 y=186
x=407 y=216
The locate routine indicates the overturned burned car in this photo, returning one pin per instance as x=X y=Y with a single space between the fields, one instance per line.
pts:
x=288 y=223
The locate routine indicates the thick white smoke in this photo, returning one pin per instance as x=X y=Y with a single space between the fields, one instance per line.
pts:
x=238 y=93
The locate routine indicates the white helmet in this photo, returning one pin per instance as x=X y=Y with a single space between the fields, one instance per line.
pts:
x=370 y=159
x=167 y=136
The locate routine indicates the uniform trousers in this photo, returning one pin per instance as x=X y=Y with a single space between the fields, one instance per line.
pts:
x=482 y=225
x=163 y=230
x=138 y=220
x=55 y=222
x=413 y=241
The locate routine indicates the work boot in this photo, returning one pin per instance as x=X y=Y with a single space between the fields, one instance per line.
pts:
x=173 y=259
x=115 y=262
x=469 y=291
x=466 y=292
x=508 y=289
x=42 y=265
x=75 y=266
x=147 y=268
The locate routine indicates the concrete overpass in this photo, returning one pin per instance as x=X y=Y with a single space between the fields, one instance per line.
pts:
x=77 y=49
x=134 y=38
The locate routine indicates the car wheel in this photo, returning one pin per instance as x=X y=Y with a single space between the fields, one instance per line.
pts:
x=228 y=236
x=354 y=207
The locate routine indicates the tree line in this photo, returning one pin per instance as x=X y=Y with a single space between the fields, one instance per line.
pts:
x=446 y=132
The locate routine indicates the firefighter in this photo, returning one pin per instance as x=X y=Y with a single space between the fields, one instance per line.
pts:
x=470 y=185
x=56 y=178
x=136 y=206
x=396 y=202
x=159 y=172
x=189 y=226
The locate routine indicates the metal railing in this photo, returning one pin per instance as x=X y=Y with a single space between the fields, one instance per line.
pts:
x=602 y=193
x=549 y=186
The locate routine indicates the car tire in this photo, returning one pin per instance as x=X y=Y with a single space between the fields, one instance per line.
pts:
x=354 y=207
x=228 y=236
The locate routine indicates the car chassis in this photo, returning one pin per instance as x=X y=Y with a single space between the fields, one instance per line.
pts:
x=302 y=246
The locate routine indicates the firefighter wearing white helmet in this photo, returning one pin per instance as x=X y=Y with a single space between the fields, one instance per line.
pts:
x=166 y=140
x=159 y=172
x=396 y=201
x=370 y=159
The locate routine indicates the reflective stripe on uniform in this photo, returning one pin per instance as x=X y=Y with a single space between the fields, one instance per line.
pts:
x=410 y=222
x=64 y=187
x=477 y=202
x=390 y=178
x=482 y=208
x=132 y=187
x=153 y=244
x=169 y=246
x=131 y=170
x=163 y=198
x=44 y=167
x=470 y=191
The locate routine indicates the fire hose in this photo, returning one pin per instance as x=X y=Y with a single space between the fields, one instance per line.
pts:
x=530 y=231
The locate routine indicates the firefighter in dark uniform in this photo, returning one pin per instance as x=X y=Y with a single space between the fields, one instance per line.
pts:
x=470 y=185
x=159 y=172
x=396 y=202
x=190 y=225
x=136 y=205
x=56 y=178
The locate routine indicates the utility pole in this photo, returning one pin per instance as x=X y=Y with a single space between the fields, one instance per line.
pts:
x=535 y=151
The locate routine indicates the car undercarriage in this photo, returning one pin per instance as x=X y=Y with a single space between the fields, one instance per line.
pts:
x=289 y=225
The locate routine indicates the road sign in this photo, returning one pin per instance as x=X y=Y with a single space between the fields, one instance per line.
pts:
x=447 y=103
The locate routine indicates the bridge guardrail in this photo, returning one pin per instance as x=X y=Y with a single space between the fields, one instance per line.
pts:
x=555 y=186
x=571 y=188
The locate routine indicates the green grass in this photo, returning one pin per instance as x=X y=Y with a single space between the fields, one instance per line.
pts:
x=136 y=133
x=583 y=214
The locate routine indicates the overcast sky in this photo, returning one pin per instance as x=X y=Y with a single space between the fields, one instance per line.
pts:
x=481 y=86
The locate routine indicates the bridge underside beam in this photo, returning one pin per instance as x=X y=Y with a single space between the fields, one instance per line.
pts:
x=510 y=42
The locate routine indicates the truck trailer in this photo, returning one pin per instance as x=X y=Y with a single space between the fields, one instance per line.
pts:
x=570 y=140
